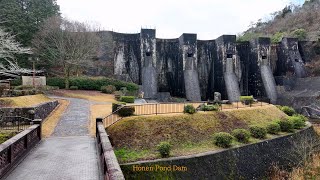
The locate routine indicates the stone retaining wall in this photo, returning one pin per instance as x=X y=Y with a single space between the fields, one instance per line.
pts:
x=251 y=161
x=41 y=111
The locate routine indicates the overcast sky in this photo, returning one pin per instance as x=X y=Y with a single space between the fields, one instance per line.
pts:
x=208 y=18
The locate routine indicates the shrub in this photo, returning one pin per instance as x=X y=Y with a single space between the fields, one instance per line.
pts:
x=91 y=83
x=108 y=89
x=273 y=128
x=210 y=108
x=189 y=109
x=23 y=87
x=222 y=139
x=17 y=93
x=297 y=121
x=117 y=95
x=126 y=111
x=288 y=110
x=286 y=125
x=116 y=106
x=242 y=135
x=246 y=99
x=16 y=82
x=164 y=149
x=124 y=90
x=73 y=88
x=258 y=132
x=127 y=99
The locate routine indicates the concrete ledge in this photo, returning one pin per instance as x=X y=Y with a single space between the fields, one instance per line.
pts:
x=111 y=168
x=251 y=161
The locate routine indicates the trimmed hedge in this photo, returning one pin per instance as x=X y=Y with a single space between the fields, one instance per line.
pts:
x=126 y=111
x=91 y=83
x=222 y=139
x=127 y=99
x=258 y=132
x=246 y=99
x=210 y=108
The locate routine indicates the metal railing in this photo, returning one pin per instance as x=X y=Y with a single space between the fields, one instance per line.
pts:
x=15 y=123
x=14 y=149
x=171 y=108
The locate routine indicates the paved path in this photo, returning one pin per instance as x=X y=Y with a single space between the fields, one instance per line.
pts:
x=69 y=154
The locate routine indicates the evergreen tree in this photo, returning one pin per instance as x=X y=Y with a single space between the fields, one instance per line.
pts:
x=24 y=18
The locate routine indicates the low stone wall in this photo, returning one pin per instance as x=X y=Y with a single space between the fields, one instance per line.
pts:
x=251 y=161
x=41 y=111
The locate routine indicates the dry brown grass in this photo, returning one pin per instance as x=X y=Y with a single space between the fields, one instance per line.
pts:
x=88 y=95
x=53 y=119
x=98 y=110
x=139 y=132
x=24 y=101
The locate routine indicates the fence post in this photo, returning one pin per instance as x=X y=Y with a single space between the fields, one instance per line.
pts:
x=237 y=105
x=99 y=119
x=156 y=109
x=38 y=121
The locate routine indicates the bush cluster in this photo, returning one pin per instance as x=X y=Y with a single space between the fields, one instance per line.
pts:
x=73 y=88
x=189 y=109
x=297 y=121
x=126 y=111
x=242 y=135
x=288 y=110
x=108 y=89
x=91 y=83
x=273 y=128
x=127 y=99
x=164 y=149
x=117 y=95
x=222 y=139
x=286 y=125
x=258 y=132
x=246 y=99
x=116 y=106
x=209 y=108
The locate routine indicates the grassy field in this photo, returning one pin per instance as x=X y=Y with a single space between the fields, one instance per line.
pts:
x=24 y=101
x=138 y=136
x=88 y=95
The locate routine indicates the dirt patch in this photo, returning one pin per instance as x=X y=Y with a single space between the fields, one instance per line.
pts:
x=98 y=110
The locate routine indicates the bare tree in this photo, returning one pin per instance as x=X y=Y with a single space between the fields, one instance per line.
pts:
x=69 y=45
x=9 y=47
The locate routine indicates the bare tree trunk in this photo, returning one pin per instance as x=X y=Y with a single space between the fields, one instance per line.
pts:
x=67 y=77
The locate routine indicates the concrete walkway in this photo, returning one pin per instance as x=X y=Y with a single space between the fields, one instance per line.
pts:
x=69 y=154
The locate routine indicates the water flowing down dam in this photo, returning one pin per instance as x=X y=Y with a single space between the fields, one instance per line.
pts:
x=149 y=79
x=191 y=80
x=231 y=82
x=192 y=85
x=299 y=69
x=269 y=83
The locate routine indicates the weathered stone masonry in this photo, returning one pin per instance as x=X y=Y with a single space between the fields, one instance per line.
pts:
x=195 y=69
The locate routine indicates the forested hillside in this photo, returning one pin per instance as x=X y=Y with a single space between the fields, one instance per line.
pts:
x=302 y=22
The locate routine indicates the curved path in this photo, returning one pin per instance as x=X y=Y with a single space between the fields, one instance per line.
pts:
x=69 y=154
